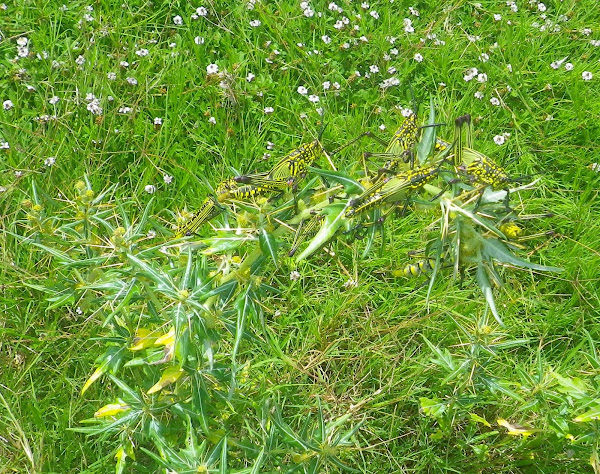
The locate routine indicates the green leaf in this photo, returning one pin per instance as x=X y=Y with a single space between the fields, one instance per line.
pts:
x=350 y=185
x=486 y=288
x=425 y=146
x=572 y=386
x=433 y=407
x=285 y=428
x=268 y=244
x=498 y=250
x=590 y=415
x=258 y=463
x=334 y=219
x=224 y=244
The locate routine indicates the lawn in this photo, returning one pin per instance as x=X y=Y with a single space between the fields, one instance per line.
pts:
x=127 y=345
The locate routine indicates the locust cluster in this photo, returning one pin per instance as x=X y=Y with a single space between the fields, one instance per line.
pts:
x=415 y=166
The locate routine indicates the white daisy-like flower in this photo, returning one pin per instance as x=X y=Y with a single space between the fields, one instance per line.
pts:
x=326 y=85
x=111 y=76
x=587 y=75
x=142 y=52
x=4 y=146
x=313 y=98
x=158 y=121
x=168 y=179
x=199 y=40
x=569 y=66
x=382 y=127
x=80 y=60
x=541 y=7
x=50 y=161
x=418 y=57
x=374 y=68
x=406 y=112
x=484 y=57
x=124 y=64
x=250 y=77
x=150 y=189
x=494 y=101
x=212 y=120
x=22 y=41
x=8 y=104
x=482 y=77
x=201 y=11
x=269 y=110
x=497 y=17
x=177 y=20
x=53 y=100
x=212 y=69
x=302 y=90
x=255 y=23
x=132 y=81
x=499 y=139
x=295 y=275
x=374 y=14
x=509 y=67
x=478 y=95
x=326 y=39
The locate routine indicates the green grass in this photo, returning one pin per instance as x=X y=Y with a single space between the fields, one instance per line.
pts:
x=361 y=348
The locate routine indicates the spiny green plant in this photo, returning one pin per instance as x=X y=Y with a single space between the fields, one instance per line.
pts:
x=180 y=315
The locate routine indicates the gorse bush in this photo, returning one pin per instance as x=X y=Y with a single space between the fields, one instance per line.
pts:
x=184 y=319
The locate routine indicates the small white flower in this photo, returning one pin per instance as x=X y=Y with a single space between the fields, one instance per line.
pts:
x=80 y=60
x=586 y=31
x=124 y=64
x=484 y=57
x=295 y=275
x=50 y=161
x=22 y=41
x=363 y=38
x=8 y=104
x=338 y=25
x=168 y=179
x=150 y=189
x=269 y=110
x=125 y=110
x=313 y=98
x=201 y=11
x=406 y=112
x=326 y=85
x=595 y=43
x=309 y=12
x=587 y=75
x=270 y=145
x=158 y=121
x=79 y=310
x=557 y=64
x=382 y=127
x=413 y=11
x=509 y=67
x=482 y=77
x=569 y=66
x=151 y=234
x=111 y=76
x=53 y=100
x=18 y=174
x=374 y=68
x=364 y=5
x=132 y=81
x=142 y=52
x=250 y=77
x=541 y=7
x=178 y=20
x=336 y=85
x=302 y=90
x=212 y=69
x=199 y=40
x=478 y=95
x=374 y=14
x=326 y=39
x=212 y=120
x=418 y=57
x=4 y=146
x=255 y=23
x=494 y=101
x=499 y=139
x=497 y=17
x=320 y=111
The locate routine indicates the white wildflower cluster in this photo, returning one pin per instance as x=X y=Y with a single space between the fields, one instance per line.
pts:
x=501 y=139
x=335 y=8
x=512 y=5
x=408 y=28
x=93 y=104
x=387 y=83
x=307 y=11
x=22 y=47
x=470 y=74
